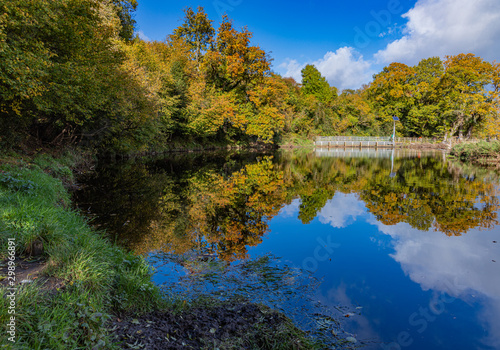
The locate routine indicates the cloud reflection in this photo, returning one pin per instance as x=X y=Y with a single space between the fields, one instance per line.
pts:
x=290 y=210
x=342 y=210
x=461 y=266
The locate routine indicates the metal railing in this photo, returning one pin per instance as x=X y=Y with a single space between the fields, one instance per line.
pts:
x=454 y=139
x=354 y=138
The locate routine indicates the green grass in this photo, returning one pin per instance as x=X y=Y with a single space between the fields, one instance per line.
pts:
x=98 y=278
x=476 y=152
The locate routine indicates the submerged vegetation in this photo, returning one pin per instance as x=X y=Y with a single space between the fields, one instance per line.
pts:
x=72 y=72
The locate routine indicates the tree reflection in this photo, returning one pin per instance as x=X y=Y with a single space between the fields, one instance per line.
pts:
x=425 y=193
x=218 y=214
x=222 y=204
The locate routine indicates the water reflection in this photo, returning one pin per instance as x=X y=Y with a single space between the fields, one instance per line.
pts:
x=411 y=230
x=434 y=290
x=463 y=268
x=224 y=205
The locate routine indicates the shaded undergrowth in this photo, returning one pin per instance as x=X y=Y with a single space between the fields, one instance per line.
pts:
x=483 y=152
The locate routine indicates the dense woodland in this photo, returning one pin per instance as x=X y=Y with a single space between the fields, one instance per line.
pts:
x=73 y=73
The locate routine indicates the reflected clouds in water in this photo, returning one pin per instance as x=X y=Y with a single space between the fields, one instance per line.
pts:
x=342 y=210
x=291 y=210
x=461 y=266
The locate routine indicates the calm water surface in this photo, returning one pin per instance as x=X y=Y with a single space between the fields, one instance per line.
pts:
x=401 y=247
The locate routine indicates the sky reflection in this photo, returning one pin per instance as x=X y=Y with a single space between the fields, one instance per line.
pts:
x=455 y=278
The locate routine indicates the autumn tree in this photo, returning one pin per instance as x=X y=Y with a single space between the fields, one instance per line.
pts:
x=164 y=70
x=271 y=107
x=393 y=92
x=210 y=112
x=234 y=64
x=492 y=118
x=465 y=100
x=354 y=115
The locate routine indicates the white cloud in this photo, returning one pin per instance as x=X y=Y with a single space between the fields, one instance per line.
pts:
x=342 y=210
x=344 y=68
x=446 y=27
x=430 y=258
x=433 y=28
x=143 y=36
x=292 y=69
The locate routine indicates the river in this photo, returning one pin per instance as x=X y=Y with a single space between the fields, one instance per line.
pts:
x=381 y=249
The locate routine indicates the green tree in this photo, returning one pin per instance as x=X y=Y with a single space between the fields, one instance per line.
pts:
x=197 y=30
x=25 y=61
x=424 y=118
x=313 y=83
x=125 y=10
x=63 y=74
x=317 y=99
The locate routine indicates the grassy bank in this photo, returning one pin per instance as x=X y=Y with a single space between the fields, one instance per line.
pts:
x=76 y=290
x=292 y=140
x=482 y=153
x=82 y=279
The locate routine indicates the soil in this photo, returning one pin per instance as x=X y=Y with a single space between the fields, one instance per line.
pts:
x=199 y=327
x=29 y=271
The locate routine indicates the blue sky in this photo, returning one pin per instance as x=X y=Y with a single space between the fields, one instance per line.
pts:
x=348 y=41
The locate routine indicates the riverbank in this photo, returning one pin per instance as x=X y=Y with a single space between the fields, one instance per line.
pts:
x=424 y=145
x=481 y=153
x=64 y=286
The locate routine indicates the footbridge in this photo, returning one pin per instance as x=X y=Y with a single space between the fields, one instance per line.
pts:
x=368 y=141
